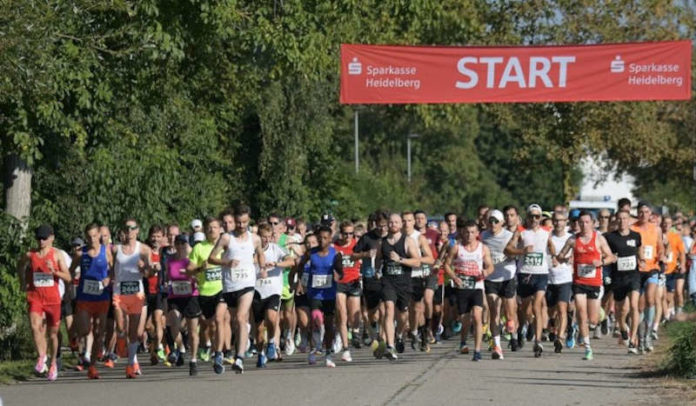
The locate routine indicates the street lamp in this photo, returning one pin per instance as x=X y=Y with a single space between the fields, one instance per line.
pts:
x=408 y=153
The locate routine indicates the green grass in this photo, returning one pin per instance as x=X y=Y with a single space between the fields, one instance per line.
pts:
x=680 y=359
x=12 y=371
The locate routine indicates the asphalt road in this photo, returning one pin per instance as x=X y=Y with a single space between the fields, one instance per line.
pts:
x=441 y=377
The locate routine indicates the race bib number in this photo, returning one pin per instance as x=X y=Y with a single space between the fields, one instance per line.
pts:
x=43 y=280
x=264 y=282
x=417 y=273
x=498 y=258
x=670 y=257
x=130 y=287
x=534 y=259
x=239 y=274
x=394 y=269
x=213 y=274
x=587 y=271
x=468 y=282
x=321 y=281
x=182 y=288
x=648 y=252
x=626 y=263
x=348 y=262
x=92 y=287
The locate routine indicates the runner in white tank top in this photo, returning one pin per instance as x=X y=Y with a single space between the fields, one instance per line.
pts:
x=242 y=255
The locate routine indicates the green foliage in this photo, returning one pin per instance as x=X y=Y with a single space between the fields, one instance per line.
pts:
x=681 y=356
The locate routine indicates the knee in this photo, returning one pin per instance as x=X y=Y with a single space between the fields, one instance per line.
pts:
x=317 y=318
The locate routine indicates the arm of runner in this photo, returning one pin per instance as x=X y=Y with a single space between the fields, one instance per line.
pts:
x=338 y=266
x=681 y=266
x=74 y=264
x=298 y=270
x=23 y=270
x=487 y=262
x=511 y=249
x=451 y=253
x=220 y=247
x=427 y=257
x=660 y=249
x=110 y=266
x=145 y=253
x=260 y=256
x=641 y=257
x=62 y=272
x=286 y=262
x=608 y=257
x=569 y=245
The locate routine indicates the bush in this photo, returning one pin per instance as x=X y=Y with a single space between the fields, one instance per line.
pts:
x=15 y=335
x=681 y=356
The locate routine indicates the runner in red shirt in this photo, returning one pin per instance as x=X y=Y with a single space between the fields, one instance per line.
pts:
x=40 y=271
x=590 y=253
x=348 y=290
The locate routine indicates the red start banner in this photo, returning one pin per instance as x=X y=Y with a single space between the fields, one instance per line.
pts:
x=380 y=74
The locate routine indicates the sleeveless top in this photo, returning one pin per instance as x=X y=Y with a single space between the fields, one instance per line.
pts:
x=535 y=262
x=392 y=268
x=93 y=270
x=244 y=274
x=583 y=256
x=128 y=280
x=563 y=273
x=320 y=277
x=43 y=283
x=468 y=265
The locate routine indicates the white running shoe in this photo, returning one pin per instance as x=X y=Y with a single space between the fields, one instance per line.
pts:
x=346 y=356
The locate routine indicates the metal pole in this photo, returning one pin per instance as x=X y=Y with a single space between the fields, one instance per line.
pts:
x=408 y=157
x=357 y=147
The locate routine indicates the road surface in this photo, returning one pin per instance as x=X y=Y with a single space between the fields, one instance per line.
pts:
x=441 y=377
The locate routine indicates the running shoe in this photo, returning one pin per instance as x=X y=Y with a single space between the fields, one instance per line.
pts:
x=261 y=360
x=238 y=366
x=520 y=337
x=109 y=363
x=355 y=341
x=52 y=372
x=329 y=362
x=346 y=356
x=477 y=356
x=557 y=346
x=218 y=367
x=513 y=343
x=41 y=367
x=400 y=347
x=648 y=344
x=154 y=360
x=456 y=327
x=552 y=336
x=271 y=351
x=79 y=367
x=92 y=373
x=570 y=341
x=337 y=343
x=289 y=347
x=136 y=369
x=160 y=354
x=415 y=342
x=391 y=354
x=632 y=349
x=588 y=354
x=653 y=334
x=312 y=358
x=130 y=372
x=530 y=334
x=425 y=346
x=204 y=354
x=463 y=348
x=366 y=339
x=377 y=349
x=538 y=349
x=605 y=326
x=193 y=368
x=172 y=357
x=180 y=358
x=497 y=353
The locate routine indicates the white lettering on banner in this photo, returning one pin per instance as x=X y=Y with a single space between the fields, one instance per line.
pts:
x=393 y=82
x=539 y=68
x=647 y=80
x=389 y=76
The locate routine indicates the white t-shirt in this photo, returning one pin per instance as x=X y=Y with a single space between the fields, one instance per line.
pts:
x=535 y=262
x=563 y=273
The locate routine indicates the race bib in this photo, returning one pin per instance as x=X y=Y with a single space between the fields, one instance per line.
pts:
x=394 y=269
x=264 y=282
x=213 y=274
x=239 y=274
x=130 y=287
x=626 y=263
x=468 y=282
x=648 y=252
x=670 y=257
x=348 y=262
x=498 y=258
x=182 y=288
x=534 y=259
x=305 y=279
x=43 y=280
x=587 y=271
x=417 y=273
x=92 y=287
x=321 y=281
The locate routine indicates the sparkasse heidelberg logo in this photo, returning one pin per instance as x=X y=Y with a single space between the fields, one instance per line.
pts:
x=617 y=65
x=354 y=67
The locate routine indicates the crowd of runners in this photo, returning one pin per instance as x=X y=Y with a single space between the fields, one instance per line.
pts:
x=225 y=290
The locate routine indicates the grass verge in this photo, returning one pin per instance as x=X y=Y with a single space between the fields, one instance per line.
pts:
x=13 y=371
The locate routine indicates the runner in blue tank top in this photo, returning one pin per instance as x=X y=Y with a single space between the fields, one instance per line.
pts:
x=325 y=268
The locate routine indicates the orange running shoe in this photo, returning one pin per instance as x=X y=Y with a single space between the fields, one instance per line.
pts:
x=136 y=369
x=130 y=372
x=92 y=373
x=109 y=363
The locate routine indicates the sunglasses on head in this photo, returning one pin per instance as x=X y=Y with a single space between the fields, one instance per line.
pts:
x=130 y=227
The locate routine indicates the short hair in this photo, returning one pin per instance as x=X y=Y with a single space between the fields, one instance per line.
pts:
x=273 y=214
x=407 y=213
x=380 y=215
x=241 y=209
x=324 y=229
x=511 y=207
x=226 y=212
x=450 y=214
x=624 y=201
x=419 y=211
x=155 y=228
x=91 y=226
x=585 y=213
x=265 y=227
x=642 y=204
x=344 y=224
x=210 y=219
x=465 y=223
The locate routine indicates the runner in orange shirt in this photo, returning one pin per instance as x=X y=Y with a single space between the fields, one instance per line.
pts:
x=675 y=267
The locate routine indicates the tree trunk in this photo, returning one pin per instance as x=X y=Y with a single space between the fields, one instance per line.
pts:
x=17 y=187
